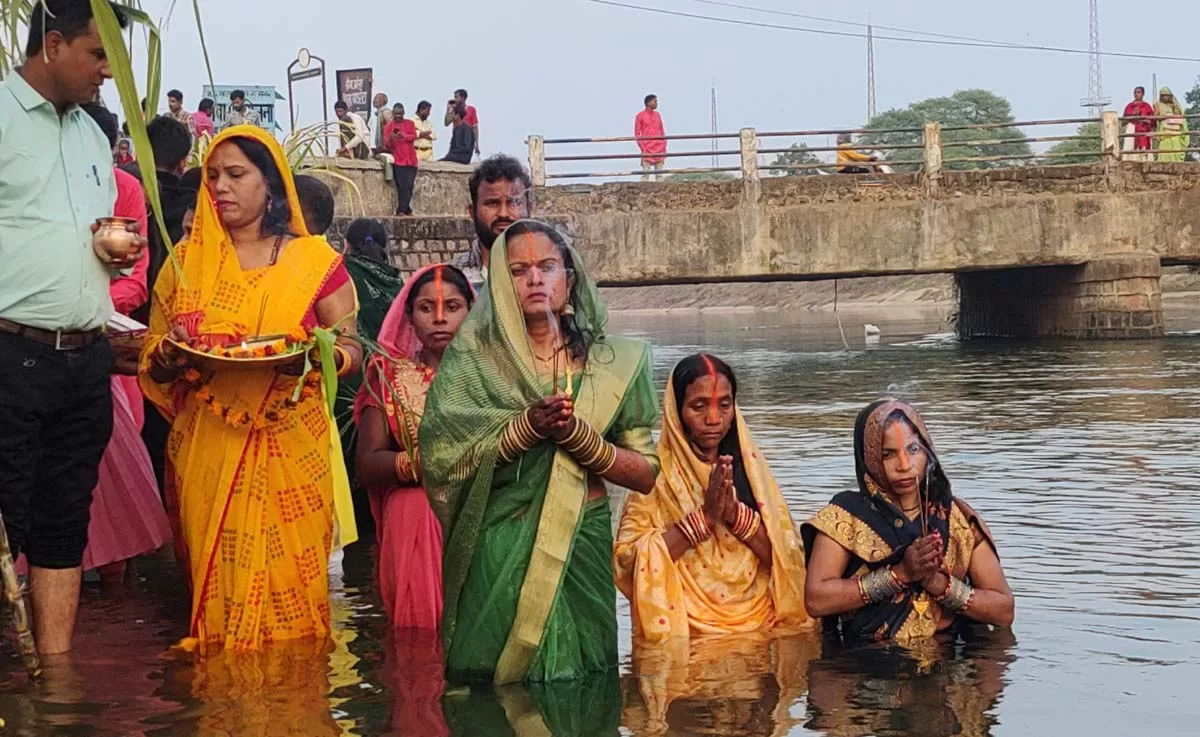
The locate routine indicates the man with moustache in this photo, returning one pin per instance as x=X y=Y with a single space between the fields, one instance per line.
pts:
x=56 y=412
x=501 y=194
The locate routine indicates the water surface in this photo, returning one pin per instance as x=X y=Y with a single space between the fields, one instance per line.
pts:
x=1080 y=456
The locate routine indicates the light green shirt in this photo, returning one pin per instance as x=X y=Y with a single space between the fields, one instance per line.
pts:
x=56 y=178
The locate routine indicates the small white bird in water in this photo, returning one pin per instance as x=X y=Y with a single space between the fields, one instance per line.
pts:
x=871 y=333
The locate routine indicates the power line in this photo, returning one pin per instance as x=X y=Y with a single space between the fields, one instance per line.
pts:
x=924 y=41
x=856 y=24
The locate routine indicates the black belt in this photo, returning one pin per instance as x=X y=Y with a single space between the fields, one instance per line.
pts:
x=59 y=340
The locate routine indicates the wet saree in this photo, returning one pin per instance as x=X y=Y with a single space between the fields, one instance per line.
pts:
x=876 y=533
x=721 y=587
x=254 y=470
x=527 y=572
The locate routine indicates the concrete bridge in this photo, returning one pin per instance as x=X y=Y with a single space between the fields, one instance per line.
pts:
x=1066 y=251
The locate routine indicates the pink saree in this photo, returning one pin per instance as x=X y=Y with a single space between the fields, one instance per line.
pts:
x=408 y=533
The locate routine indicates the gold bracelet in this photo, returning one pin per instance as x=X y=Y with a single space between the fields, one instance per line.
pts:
x=518 y=437
x=589 y=448
x=345 y=354
x=403 y=468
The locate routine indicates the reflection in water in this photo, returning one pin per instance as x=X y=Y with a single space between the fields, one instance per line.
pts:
x=934 y=689
x=1080 y=456
x=722 y=685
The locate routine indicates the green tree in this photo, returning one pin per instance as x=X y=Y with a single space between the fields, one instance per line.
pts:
x=1192 y=97
x=1085 y=144
x=797 y=155
x=699 y=176
x=963 y=108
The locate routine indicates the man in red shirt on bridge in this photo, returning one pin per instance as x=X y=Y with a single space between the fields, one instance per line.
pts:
x=398 y=139
x=647 y=127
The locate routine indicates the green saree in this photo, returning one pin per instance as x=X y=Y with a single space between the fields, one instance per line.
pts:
x=527 y=570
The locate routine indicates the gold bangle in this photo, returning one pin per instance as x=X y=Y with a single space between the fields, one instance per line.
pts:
x=403 y=467
x=346 y=360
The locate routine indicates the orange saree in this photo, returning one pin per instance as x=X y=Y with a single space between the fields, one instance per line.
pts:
x=254 y=472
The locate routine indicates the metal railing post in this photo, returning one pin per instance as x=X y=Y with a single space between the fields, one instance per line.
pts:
x=537 y=160
x=1110 y=135
x=748 y=138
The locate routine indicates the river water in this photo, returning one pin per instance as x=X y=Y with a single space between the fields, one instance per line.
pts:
x=1081 y=456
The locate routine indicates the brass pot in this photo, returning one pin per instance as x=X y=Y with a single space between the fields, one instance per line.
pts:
x=114 y=241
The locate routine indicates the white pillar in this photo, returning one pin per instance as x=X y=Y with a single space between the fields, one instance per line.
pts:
x=749 y=149
x=537 y=160
x=1110 y=134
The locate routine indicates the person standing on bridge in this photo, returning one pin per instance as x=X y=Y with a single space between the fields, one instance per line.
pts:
x=648 y=129
x=1139 y=115
x=1172 y=127
x=398 y=139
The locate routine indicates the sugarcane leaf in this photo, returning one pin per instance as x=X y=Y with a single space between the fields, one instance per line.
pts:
x=122 y=71
x=203 y=44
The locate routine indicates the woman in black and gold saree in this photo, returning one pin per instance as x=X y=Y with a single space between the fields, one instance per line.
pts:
x=901 y=558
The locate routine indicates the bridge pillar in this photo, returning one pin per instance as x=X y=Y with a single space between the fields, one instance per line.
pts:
x=1109 y=298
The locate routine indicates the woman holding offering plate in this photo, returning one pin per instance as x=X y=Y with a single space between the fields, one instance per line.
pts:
x=254 y=470
x=533 y=410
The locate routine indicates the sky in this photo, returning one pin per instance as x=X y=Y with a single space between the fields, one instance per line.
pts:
x=572 y=68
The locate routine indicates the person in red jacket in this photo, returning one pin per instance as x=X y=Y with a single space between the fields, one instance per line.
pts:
x=398 y=138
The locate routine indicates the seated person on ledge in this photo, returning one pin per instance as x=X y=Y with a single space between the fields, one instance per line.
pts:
x=901 y=558
x=712 y=549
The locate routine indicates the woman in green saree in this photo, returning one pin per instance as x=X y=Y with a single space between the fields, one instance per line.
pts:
x=534 y=409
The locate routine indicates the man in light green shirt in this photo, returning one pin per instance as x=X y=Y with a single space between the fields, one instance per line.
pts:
x=55 y=363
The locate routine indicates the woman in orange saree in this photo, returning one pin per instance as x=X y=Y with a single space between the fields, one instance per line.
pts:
x=254 y=469
x=712 y=549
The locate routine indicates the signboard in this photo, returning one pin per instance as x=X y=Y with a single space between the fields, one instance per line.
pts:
x=260 y=98
x=354 y=88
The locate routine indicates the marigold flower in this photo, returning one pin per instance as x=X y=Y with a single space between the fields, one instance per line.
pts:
x=204 y=394
x=191 y=376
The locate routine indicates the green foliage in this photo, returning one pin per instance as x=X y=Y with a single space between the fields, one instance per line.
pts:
x=797 y=155
x=699 y=176
x=965 y=107
x=1192 y=97
x=1086 y=144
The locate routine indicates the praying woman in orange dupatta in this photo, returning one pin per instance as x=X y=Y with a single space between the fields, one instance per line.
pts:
x=901 y=558
x=254 y=463
x=712 y=549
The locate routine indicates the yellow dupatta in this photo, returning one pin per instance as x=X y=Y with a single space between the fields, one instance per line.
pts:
x=255 y=479
x=721 y=586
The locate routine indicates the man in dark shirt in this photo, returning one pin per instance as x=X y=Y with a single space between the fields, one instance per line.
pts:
x=171 y=143
x=462 y=143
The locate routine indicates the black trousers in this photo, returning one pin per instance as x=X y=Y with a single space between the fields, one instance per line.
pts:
x=406 y=179
x=56 y=419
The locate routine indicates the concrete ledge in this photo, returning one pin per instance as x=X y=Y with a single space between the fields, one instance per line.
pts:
x=416 y=242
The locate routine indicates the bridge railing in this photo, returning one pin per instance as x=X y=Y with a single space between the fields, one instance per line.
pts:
x=927 y=149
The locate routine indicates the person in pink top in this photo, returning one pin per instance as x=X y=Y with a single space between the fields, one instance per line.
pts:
x=648 y=128
x=202 y=119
